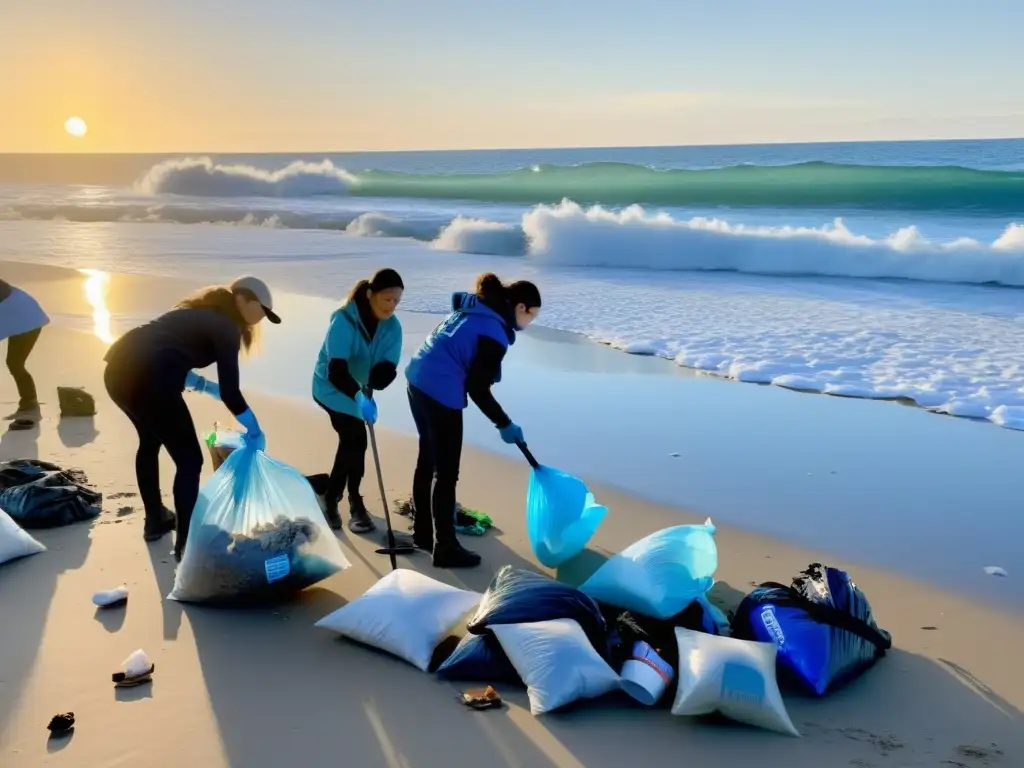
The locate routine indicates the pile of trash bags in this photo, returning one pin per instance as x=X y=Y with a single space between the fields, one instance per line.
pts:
x=37 y=494
x=257 y=536
x=517 y=596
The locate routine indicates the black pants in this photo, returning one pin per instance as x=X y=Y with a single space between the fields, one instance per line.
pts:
x=163 y=421
x=18 y=349
x=350 y=458
x=437 y=467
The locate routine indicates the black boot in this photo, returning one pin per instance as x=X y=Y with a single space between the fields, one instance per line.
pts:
x=332 y=514
x=359 y=518
x=423 y=533
x=448 y=552
x=159 y=525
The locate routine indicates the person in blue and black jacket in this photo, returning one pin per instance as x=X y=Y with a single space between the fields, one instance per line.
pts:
x=460 y=361
x=359 y=354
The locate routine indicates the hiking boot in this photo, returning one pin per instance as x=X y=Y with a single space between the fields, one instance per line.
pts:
x=156 y=529
x=333 y=515
x=359 y=519
x=454 y=555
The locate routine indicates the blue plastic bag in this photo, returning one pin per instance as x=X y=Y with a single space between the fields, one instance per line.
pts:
x=561 y=515
x=822 y=626
x=659 y=575
x=257 y=535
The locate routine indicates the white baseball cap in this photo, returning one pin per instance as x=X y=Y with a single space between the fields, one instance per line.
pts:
x=262 y=293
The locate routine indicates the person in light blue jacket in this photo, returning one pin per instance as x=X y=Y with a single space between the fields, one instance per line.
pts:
x=360 y=354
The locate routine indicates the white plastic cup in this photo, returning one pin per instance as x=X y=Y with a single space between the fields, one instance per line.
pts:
x=646 y=675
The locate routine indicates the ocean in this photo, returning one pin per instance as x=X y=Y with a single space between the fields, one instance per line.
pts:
x=872 y=270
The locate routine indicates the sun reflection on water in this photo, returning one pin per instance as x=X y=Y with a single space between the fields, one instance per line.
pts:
x=96 y=284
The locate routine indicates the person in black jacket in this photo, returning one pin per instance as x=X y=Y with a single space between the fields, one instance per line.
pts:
x=150 y=367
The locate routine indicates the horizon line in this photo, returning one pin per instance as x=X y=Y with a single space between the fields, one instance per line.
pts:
x=510 y=149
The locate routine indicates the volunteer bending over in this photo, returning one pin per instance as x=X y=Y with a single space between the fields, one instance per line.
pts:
x=149 y=368
x=359 y=354
x=460 y=361
x=21 y=323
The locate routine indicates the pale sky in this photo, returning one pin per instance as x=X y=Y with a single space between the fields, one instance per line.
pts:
x=322 y=75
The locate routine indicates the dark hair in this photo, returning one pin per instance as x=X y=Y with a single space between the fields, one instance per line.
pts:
x=491 y=290
x=222 y=300
x=381 y=281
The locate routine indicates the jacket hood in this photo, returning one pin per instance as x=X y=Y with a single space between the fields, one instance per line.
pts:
x=470 y=304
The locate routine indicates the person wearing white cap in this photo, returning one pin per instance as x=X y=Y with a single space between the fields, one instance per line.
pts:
x=150 y=367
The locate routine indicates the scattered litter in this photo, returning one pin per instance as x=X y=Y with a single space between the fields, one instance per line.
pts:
x=108 y=598
x=123 y=495
x=488 y=698
x=674 y=455
x=135 y=670
x=62 y=723
x=75 y=402
x=995 y=570
x=929 y=629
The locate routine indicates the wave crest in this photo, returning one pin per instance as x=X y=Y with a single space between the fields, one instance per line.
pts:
x=202 y=177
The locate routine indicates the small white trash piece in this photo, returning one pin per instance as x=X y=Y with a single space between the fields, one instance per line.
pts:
x=110 y=597
x=995 y=570
x=646 y=675
x=137 y=664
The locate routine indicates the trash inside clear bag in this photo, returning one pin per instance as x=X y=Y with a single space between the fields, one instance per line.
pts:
x=561 y=515
x=661 y=574
x=257 y=535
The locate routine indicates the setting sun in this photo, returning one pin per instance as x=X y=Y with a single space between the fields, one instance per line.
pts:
x=75 y=126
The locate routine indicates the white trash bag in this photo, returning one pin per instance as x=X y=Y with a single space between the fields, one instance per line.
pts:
x=14 y=542
x=735 y=678
x=556 y=661
x=405 y=613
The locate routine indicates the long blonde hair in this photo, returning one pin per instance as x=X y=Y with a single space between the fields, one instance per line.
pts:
x=222 y=299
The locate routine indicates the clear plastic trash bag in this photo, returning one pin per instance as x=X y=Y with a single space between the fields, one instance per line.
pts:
x=257 y=535
x=561 y=515
x=661 y=574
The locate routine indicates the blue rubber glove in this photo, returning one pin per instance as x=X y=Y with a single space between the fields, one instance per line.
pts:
x=366 y=407
x=194 y=381
x=512 y=434
x=201 y=384
x=254 y=436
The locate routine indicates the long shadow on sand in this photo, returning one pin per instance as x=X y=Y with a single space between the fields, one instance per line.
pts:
x=29 y=584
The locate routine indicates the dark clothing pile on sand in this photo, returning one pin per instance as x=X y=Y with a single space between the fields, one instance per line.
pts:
x=37 y=494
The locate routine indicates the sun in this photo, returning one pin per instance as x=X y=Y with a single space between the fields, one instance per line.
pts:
x=75 y=126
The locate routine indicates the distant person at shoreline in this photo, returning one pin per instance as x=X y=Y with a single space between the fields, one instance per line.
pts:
x=360 y=353
x=21 y=323
x=460 y=361
x=148 y=370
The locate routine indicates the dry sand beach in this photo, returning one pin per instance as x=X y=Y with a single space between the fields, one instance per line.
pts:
x=258 y=688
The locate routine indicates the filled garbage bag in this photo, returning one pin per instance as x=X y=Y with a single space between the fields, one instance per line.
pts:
x=561 y=515
x=257 y=535
x=735 y=678
x=660 y=574
x=14 y=542
x=479 y=658
x=37 y=494
x=822 y=625
x=517 y=596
